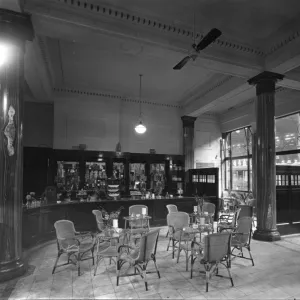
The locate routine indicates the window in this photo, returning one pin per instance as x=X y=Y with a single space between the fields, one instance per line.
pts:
x=288 y=133
x=237 y=153
x=236 y=160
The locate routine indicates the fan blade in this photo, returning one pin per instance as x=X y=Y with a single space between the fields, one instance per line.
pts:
x=208 y=39
x=182 y=63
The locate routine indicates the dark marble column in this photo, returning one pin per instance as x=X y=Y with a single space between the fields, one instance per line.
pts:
x=254 y=157
x=265 y=156
x=15 y=29
x=188 y=141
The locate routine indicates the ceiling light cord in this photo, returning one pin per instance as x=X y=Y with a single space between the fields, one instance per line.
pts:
x=140 y=96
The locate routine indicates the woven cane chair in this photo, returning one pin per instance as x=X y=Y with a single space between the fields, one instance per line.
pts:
x=214 y=251
x=180 y=239
x=106 y=250
x=139 y=257
x=68 y=242
x=227 y=222
x=140 y=226
x=171 y=208
x=241 y=238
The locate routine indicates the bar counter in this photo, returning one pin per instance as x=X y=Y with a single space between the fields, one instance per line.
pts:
x=38 y=222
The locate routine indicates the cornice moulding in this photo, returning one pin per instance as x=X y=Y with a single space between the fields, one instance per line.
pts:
x=154 y=24
x=112 y=96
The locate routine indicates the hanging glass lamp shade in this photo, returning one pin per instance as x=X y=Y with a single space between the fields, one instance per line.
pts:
x=140 y=128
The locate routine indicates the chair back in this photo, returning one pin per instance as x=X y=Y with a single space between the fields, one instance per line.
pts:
x=178 y=219
x=172 y=208
x=209 y=207
x=148 y=245
x=246 y=211
x=137 y=209
x=99 y=219
x=216 y=246
x=65 y=233
x=244 y=226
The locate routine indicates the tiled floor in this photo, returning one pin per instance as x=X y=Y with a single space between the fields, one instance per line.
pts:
x=276 y=275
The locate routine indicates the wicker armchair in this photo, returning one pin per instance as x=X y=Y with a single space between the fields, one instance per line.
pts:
x=214 y=251
x=176 y=223
x=140 y=226
x=241 y=238
x=139 y=257
x=171 y=208
x=227 y=222
x=68 y=242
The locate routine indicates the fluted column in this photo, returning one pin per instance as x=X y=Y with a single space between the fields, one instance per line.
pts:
x=15 y=29
x=188 y=141
x=265 y=156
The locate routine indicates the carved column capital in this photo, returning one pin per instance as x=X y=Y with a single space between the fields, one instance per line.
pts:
x=265 y=82
x=188 y=121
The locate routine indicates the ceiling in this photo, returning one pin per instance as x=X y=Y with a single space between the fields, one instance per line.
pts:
x=90 y=47
x=246 y=21
x=115 y=68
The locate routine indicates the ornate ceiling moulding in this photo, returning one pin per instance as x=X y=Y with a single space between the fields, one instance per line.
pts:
x=292 y=37
x=106 y=95
x=155 y=24
x=281 y=89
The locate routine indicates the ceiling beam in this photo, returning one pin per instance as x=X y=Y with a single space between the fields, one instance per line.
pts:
x=228 y=91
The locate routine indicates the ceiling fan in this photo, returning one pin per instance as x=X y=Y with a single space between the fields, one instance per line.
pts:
x=207 y=40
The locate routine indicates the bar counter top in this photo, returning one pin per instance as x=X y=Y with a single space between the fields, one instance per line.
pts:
x=38 y=222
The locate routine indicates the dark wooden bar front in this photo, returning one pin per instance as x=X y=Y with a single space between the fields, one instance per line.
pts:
x=38 y=222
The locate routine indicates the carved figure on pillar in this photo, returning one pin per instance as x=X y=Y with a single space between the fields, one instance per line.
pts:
x=264 y=168
x=188 y=141
x=15 y=29
x=10 y=131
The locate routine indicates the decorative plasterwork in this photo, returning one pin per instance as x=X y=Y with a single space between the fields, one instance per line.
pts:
x=284 y=42
x=158 y=25
x=106 y=95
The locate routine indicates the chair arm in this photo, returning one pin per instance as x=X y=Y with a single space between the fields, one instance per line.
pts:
x=125 y=246
x=83 y=233
x=224 y=216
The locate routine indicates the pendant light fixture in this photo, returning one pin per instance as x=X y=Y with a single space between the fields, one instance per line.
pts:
x=140 y=128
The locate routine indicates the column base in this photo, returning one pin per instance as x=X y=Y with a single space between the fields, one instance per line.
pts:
x=266 y=235
x=12 y=270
